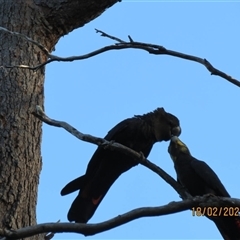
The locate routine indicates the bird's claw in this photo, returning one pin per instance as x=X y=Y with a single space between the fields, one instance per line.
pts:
x=108 y=144
x=142 y=157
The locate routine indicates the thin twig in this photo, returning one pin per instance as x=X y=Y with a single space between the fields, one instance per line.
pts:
x=103 y=34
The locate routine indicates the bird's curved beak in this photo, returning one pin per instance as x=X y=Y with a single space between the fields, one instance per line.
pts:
x=174 y=139
x=176 y=143
x=176 y=131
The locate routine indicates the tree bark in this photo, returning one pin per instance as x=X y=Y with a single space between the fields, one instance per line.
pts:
x=21 y=90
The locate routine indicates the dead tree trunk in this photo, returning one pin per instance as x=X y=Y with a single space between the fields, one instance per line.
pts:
x=21 y=90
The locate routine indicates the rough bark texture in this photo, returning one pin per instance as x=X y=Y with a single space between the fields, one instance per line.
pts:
x=21 y=90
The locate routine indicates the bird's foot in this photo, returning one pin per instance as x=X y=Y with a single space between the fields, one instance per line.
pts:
x=108 y=144
x=210 y=195
x=142 y=157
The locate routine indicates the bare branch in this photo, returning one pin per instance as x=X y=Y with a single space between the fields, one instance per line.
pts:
x=158 y=50
x=114 y=146
x=150 y=48
x=91 y=229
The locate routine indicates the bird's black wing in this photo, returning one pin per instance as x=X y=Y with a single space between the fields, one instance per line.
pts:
x=94 y=162
x=118 y=132
x=104 y=168
x=209 y=177
x=119 y=128
x=228 y=226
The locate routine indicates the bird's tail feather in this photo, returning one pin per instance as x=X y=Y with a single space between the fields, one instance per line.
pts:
x=73 y=186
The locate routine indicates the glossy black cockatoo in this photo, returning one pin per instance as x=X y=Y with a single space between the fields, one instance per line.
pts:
x=138 y=133
x=199 y=179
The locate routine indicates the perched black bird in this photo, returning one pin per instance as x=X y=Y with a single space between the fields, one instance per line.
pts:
x=199 y=179
x=138 y=133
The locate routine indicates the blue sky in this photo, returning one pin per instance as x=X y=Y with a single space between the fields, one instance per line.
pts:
x=95 y=94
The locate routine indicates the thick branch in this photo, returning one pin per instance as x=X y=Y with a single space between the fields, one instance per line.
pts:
x=91 y=229
x=114 y=146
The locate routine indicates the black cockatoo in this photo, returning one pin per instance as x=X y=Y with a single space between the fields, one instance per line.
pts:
x=199 y=179
x=138 y=133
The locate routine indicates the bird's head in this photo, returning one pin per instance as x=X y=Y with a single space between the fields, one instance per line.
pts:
x=166 y=125
x=176 y=148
